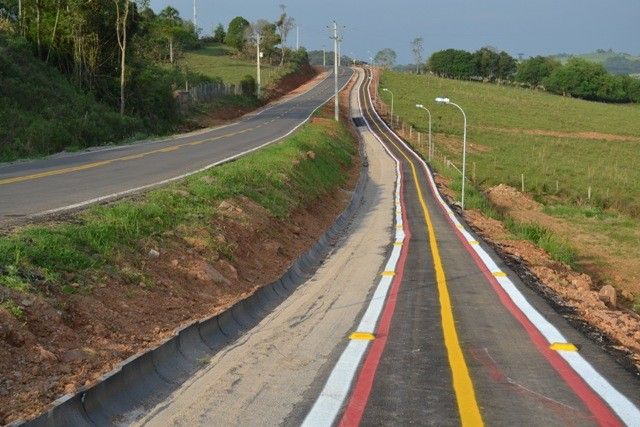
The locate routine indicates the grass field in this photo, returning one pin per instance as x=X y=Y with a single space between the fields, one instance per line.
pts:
x=217 y=61
x=562 y=146
x=548 y=138
x=280 y=178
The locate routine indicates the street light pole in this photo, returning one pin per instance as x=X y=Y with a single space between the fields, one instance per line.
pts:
x=464 y=143
x=258 y=80
x=429 y=112
x=335 y=69
x=387 y=90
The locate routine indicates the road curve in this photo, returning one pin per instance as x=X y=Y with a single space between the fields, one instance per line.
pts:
x=460 y=339
x=66 y=182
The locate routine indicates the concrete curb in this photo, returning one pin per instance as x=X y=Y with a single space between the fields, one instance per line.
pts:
x=145 y=379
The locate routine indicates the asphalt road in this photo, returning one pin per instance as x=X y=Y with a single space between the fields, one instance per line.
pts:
x=465 y=345
x=68 y=181
x=402 y=326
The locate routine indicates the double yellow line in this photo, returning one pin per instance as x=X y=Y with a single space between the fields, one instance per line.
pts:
x=462 y=384
x=63 y=171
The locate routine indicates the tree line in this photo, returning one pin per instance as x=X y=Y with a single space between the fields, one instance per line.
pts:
x=577 y=78
x=113 y=48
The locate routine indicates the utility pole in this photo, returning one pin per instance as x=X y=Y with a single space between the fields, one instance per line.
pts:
x=297 y=37
x=195 y=16
x=335 y=69
x=258 y=56
x=324 y=56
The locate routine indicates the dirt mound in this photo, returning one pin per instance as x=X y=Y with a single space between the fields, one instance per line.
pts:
x=505 y=197
x=576 y=290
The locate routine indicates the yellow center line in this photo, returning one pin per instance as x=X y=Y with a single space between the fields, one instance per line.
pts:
x=63 y=171
x=462 y=384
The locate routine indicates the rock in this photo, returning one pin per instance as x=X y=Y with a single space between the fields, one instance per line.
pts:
x=296 y=230
x=214 y=275
x=229 y=269
x=273 y=247
x=174 y=263
x=154 y=253
x=225 y=206
x=311 y=155
x=75 y=285
x=608 y=295
x=73 y=356
x=69 y=388
x=26 y=303
x=45 y=355
x=295 y=162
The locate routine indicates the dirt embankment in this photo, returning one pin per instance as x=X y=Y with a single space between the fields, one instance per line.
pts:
x=65 y=341
x=560 y=282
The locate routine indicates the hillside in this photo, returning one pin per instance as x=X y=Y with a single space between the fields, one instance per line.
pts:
x=562 y=146
x=216 y=60
x=42 y=112
x=614 y=62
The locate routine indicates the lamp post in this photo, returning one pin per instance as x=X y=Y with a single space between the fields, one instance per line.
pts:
x=464 y=143
x=422 y=107
x=387 y=90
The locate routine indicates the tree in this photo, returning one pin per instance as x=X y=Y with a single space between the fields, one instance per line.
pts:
x=284 y=24
x=170 y=26
x=534 y=70
x=269 y=38
x=219 y=34
x=417 y=48
x=236 y=33
x=122 y=14
x=385 y=58
x=586 y=80
x=506 y=67
x=453 y=63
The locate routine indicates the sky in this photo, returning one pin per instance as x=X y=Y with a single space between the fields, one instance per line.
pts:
x=530 y=27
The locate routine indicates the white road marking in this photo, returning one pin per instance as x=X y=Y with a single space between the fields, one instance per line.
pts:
x=188 y=174
x=619 y=403
x=328 y=405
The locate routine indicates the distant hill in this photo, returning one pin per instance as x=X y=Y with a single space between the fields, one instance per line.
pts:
x=615 y=62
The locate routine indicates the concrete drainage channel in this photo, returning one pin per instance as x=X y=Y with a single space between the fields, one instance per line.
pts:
x=147 y=378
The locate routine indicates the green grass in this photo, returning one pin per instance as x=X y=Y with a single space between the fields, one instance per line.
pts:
x=558 y=170
x=573 y=164
x=13 y=308
x=42 y=112
x=219 y=61
x=280 y=178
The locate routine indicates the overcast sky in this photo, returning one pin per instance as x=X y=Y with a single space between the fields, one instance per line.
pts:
x=531 y=27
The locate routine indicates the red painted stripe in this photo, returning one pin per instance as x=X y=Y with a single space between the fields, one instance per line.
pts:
x=362 y=389
x=600 y=410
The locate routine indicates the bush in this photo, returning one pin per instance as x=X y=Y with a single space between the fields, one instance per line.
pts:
x=586 y=80
x=535 y=70
x=235 y=36
x=248 y=85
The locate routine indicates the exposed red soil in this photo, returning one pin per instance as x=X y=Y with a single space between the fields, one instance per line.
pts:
x=576 y=290
x=68 y=341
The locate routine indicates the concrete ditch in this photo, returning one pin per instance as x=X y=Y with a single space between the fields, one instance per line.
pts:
x=147 y=378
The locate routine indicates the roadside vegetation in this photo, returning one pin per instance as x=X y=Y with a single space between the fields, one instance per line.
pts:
x=280 y=178
x=74 y=78
x=577 y=158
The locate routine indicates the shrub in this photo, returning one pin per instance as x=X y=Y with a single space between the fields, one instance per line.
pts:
x=248 y=85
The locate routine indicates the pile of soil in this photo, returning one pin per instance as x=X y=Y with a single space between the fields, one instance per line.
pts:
x=565 y=286
x=67 y=341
